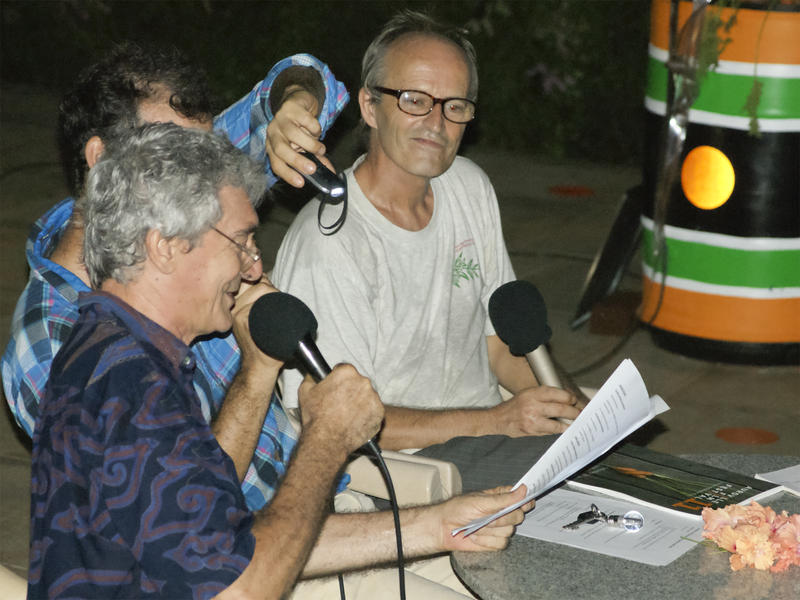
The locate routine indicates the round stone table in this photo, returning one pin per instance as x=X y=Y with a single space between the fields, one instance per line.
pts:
x=531 y=568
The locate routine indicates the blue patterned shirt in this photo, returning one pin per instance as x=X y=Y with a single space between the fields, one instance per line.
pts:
x=132 y=496
x=46 y=311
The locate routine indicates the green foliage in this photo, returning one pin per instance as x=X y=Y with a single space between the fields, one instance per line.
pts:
x=754 y=97
x=464 y=270
x=714 y=38
x=561 y=78
x=751 y=106
x=564 y=78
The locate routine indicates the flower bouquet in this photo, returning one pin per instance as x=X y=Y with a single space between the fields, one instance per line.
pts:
x=755 y=535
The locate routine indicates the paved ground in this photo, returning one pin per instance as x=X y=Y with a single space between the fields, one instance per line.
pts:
x=552 y=239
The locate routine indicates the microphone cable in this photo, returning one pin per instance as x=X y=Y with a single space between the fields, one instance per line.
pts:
x=283 y=327
x=337 y=224
x=376 y=456
x=332 y=198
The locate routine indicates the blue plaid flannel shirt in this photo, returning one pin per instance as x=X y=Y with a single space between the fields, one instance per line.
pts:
x=47 y=309
x=245 y=123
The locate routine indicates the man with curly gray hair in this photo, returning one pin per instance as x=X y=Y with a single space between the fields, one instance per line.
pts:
x=133 y=84
x=133 y=495
x=181 y=202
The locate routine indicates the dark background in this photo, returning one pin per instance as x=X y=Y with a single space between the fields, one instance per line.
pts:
x=558 y=78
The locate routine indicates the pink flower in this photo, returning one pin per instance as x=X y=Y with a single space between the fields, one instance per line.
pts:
x=717 y=518
x=755 y=536
x=725 y=538
x=786 y=543
x=758 y=515
x=753 y=548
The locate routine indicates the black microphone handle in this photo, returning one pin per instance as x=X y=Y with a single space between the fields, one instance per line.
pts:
x=312 y=359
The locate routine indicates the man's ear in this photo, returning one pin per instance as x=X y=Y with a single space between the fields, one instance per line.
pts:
x=93 y=149
x=162 y=252
x=367 y=107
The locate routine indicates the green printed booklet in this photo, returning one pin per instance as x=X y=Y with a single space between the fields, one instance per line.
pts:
x=668 y=482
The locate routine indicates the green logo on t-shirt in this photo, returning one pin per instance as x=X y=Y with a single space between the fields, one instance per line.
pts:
x=464 y=270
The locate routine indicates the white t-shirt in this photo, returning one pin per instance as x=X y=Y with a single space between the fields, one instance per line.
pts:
x=409 y=309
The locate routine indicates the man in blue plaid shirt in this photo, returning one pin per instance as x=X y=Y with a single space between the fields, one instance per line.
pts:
x=128 y=87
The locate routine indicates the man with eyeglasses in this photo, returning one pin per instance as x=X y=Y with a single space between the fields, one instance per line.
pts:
x=132 y=494
x=401 y=291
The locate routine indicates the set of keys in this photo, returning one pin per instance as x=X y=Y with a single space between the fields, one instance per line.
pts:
x=631 y=521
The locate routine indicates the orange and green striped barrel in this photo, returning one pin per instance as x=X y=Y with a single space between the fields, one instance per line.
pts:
x=732 y=229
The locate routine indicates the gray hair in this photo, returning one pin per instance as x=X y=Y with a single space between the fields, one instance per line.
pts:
x=373 y=65
x=163 y=177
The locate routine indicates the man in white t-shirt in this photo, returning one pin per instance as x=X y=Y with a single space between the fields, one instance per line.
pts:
x=401 y=290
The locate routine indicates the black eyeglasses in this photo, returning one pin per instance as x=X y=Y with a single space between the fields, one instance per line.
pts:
x=419 y=104
x=247 y=256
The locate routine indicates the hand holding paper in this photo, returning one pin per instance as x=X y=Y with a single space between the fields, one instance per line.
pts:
x=620 y=407
x=464 y=509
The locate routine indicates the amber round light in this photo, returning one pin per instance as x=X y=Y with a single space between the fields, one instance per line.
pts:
x=707 y=177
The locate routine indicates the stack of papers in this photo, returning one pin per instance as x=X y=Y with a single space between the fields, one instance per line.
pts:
x=618 y=409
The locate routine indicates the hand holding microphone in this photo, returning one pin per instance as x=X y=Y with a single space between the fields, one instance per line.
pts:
x=344 y=402
x=343 y=407
x=294 y=128
x=332 y=186
x=260 y=369
x=519 y=316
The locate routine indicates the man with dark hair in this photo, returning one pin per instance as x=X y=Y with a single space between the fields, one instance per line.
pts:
x=134 y=85
x=402 y=290
x=108 y=93
x=132 y=495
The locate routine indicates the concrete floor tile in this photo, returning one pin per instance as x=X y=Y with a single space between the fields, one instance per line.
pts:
x=14 y=513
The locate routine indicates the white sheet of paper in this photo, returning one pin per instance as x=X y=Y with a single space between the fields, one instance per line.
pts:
x=788 y=478
x=659 y=542
x=618 y=409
